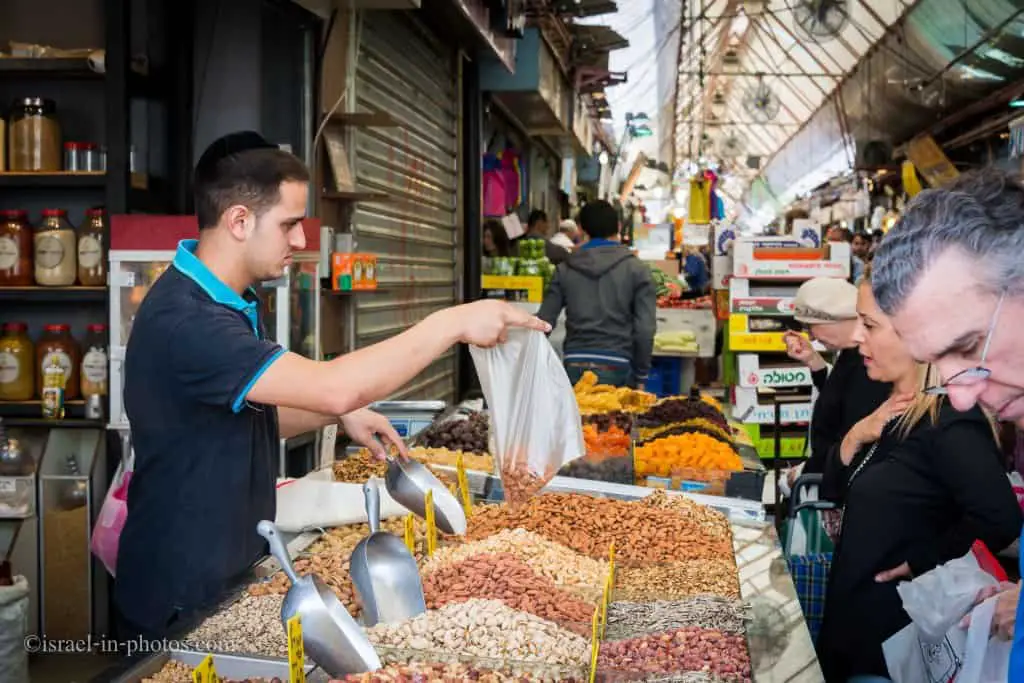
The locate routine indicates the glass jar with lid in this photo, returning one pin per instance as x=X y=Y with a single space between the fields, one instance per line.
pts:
x=56 y=250
x=94 y=361
x=92 y=266
x=15 y=249
x=17 y=360
x=34 y=136
x=56 y=347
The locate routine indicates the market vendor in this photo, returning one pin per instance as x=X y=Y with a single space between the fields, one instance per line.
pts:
x=951 y=276
x=209 y=396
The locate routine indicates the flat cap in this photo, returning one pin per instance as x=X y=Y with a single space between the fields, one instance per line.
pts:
x=825 y=300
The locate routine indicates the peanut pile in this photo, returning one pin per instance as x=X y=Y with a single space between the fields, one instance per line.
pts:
x=712 y=522
x=485 y=628
x=503 y=577
x=588 y=525
x=333 y=570
x=177 y=672
x=677 y=580
x=568 y=569
x=687 y=649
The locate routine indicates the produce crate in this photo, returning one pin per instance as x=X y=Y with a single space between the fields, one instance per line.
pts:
x=665 y=377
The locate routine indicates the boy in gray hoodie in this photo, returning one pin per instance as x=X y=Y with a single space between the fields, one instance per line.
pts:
x=610 y=301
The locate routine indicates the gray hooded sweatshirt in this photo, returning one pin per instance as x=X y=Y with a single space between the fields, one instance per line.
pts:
x=610 y=301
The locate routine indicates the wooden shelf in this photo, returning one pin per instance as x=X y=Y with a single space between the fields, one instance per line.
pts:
x=30 y=413
x=60 y=295
x=356 y=196
x=59 y=179
x=57 y=67
x=368 y=119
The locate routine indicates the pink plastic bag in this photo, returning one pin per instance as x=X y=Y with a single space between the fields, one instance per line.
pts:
x=106 y=535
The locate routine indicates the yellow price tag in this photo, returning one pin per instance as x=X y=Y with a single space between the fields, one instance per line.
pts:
x=205 y=673
x=604 y=604
x=296 y=651
x=410 y=533
x=460 y=473
x=611 y=558
x=595 y=648
x=431 y=524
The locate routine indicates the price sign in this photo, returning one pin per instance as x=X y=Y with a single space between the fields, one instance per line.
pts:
x=431 y=524
x=460 y=473
x=595 y=647
x=205 y=673
x=296 y=651
x=410 y=533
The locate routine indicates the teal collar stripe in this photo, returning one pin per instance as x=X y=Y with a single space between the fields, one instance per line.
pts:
x=186 y=262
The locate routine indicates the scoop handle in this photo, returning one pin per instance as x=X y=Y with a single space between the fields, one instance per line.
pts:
x=268 y=530
x=371 y=494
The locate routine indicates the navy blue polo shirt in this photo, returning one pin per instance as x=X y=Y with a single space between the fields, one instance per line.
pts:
x=205 y=458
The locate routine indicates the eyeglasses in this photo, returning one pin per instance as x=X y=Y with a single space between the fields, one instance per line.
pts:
x=979 y=373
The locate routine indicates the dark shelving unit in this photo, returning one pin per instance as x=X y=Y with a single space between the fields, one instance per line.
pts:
x=54 y=295
x=57 y=180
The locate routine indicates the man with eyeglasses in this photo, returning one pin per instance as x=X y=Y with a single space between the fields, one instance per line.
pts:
x=951 y=276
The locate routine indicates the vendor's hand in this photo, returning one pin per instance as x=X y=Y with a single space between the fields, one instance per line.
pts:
x=486 y=323
x=1005 y=618
x=798 y=347
x=869 y=430
x=374 y=432
x=900 y=572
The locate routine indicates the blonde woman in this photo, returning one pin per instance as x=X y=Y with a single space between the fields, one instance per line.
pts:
x=919 y=483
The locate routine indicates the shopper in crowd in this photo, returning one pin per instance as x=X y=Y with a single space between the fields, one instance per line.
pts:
x=496 y=243
x=696 y=271
x=609 y=299
x=951 y=275
x=209 y=396
x=861 y=246
x=919 y=483
x=840 y=234
x=846 y=395
x=567 y=236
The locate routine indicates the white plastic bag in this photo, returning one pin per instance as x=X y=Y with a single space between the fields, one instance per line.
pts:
x=535 y=421
x=934 y=649
x=13 y=629
x=313 y=502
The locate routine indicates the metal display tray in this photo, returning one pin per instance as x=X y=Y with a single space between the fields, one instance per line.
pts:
x=232 y=667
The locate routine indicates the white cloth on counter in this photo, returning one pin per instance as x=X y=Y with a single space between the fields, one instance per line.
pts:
x=315 y=501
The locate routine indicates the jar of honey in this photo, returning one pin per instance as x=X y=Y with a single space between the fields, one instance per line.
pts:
x=56 y=347
x=17 y=360
x=15 y=249
x=92 y=266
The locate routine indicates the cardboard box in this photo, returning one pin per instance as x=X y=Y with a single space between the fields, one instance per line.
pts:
x=353 y=272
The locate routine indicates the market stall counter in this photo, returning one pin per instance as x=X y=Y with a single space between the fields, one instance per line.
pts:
x=684 y=593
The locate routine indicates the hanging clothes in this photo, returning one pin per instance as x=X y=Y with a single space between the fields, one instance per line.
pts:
x=700 y=201
x=495 y=201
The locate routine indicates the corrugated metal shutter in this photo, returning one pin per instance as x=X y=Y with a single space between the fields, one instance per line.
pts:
x=406 y=71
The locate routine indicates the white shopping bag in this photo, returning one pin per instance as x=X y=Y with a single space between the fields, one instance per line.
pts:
x=934 y=648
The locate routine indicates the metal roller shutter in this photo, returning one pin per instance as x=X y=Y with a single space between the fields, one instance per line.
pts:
x=407 y=72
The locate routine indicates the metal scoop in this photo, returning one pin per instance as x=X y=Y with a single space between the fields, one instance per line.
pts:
x=383 y=571
x=408 y=482
x=331 y=637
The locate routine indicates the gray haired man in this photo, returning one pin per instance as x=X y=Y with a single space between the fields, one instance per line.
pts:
x=951 y=276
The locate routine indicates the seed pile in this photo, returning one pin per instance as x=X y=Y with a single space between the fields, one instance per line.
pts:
x=447 y=673
x=485 y=628
x=177 y=672
x=503 y=577
x=677 y=580
x=687 y=649
x=251 y=625
x=710 y=521
x=633 y=619
x=357 y=468
x=589 y=525
x=566 y=568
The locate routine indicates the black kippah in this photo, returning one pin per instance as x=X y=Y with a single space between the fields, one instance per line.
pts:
x=228 y=145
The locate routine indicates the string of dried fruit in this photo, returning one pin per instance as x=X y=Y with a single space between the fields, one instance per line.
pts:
x=675 y=410
x=589 y=525
x=699 y=451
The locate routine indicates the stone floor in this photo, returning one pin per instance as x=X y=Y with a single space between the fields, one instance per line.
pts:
x=66 y=668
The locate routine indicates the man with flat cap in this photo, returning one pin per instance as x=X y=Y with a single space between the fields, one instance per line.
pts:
x=209 y=396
